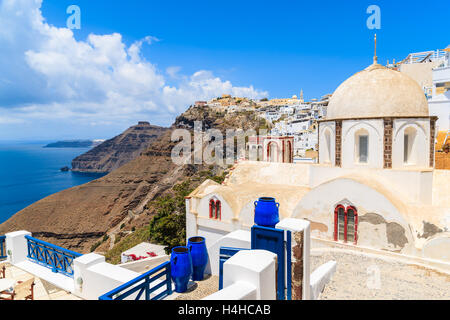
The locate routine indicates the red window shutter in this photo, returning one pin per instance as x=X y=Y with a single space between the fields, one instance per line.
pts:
x=211 y=208
x=218 y=209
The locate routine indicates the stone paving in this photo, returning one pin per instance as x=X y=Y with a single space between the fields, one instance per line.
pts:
x=42 y=289
x=200 y=289
x=368 y=277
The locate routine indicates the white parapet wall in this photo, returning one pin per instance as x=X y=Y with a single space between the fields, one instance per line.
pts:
x=92 y=277
x=16 y=246
x=320 y=277
x=249 y=274
x=235 y=239
x=95 y=277
x=237 y=291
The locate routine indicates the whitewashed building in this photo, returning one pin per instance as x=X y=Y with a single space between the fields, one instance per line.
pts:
x=374 y=187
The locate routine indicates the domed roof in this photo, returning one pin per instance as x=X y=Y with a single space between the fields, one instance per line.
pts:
x=378 y=92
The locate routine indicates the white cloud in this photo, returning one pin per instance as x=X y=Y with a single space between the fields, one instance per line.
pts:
x=46 y=74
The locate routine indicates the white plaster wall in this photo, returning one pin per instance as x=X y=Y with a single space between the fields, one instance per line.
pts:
x=440 y=107
x=438 y=248
x=256 y=267
x=421 y=148
x=191 y=220
x=247 y=214
x=375 y=130
x=94 y=277
x=203 y=207
x=211 y=235
x=235 y=239
x=323 y=126
x=319 y=210
x=411 y=185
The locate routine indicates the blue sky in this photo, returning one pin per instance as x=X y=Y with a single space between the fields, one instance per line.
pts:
x=263 y=48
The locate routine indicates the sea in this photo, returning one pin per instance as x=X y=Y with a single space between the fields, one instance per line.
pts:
x=30 y=172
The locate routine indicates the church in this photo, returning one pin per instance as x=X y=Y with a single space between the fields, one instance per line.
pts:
x=374 y=186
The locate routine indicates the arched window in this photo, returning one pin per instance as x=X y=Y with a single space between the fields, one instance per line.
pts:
x=218 y=210
x=345 y=224
x=272 y=152
x=362 y=146
x=327 y=155
x=212 y=208
x=408 y=145
x=289 y=152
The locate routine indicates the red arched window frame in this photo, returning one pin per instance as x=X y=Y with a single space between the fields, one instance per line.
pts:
x=336 y=222
x=268 y=150
x=355 y=222
x=345 y=222
x=218 y=210
x=211 y=208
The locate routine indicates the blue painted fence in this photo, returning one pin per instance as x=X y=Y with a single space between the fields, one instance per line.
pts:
x=3 y=247
x=225 y=254
x=143 y=284
x=58 y=259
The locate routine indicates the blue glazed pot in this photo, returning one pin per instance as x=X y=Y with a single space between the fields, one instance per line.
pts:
x=266 y=212
x=181 y=268
x=199 y=254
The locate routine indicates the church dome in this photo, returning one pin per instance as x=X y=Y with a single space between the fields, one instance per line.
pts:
x=378 y=92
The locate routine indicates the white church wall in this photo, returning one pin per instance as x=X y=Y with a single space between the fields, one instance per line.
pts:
x=247 y=215
x=380 y=224
x=440 y=107
x=327 y=142
x=413 y=185
x=438 y=247
x=191 y=220
x=350 y=130
x=419 y=145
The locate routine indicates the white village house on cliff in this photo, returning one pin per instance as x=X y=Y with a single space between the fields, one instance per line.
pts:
x=374 y=187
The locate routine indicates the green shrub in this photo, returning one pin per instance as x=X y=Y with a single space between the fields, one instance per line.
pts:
x=95 y=246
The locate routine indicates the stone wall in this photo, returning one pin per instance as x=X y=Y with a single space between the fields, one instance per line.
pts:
x=432 y=139
x=387 y=147
x=338 y=143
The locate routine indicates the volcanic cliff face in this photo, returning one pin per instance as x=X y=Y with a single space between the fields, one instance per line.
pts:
x=119 y=150
x=76 y=218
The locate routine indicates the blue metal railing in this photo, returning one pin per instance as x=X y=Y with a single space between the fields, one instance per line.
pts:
x=143 y=285
x=58 y=259
x=3 y=247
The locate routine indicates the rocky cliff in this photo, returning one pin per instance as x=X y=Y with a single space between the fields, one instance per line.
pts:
x=77 y=218
x=119 y=150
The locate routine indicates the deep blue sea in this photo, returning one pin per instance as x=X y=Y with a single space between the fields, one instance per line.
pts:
x=29 y=172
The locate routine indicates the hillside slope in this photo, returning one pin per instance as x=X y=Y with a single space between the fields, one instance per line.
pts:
x=78 y=217
x=119 y=150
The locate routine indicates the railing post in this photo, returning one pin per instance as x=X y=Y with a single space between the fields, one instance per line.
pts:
x=169 y=279
x=16 y=246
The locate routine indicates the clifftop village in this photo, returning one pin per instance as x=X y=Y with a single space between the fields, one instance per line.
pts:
x=291 y=117
x=298 y=119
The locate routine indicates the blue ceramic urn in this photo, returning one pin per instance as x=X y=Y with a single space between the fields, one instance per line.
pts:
x=199 y=254
x=181 y=268
x=266 y=212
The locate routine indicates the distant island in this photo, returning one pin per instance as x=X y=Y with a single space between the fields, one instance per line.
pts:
x=74 y=144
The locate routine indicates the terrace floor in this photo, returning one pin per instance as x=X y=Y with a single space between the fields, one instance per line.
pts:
x=43 y=290
x=362 y=276
x=199 y=289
